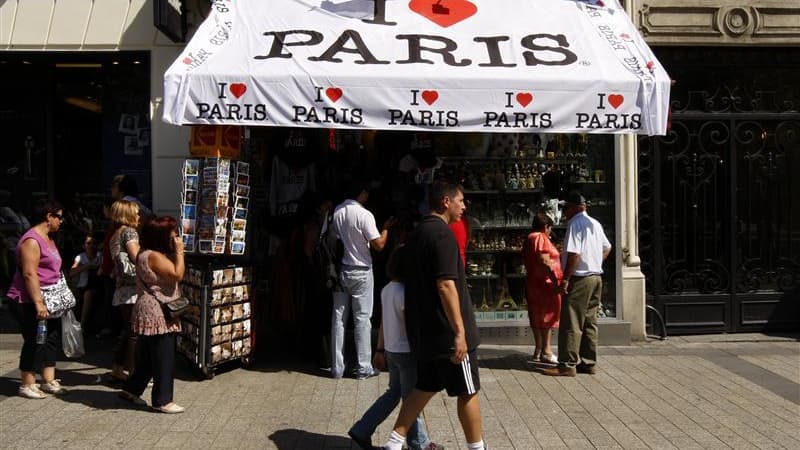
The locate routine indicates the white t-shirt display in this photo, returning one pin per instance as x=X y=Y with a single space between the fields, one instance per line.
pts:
x=82 y=260
x=355 y=226
x=393 y=300
x=585 y=236
x=287 y=186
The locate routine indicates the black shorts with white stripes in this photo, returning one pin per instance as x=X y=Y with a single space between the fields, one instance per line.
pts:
x=458 y=379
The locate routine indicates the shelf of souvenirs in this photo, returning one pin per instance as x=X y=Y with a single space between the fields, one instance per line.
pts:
x=503 y=191
x=513 y=227
x=576 y=158
x=490 y=251
x=494 y=276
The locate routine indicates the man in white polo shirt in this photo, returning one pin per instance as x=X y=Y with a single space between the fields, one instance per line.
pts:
x=355 y=226
x=585 y=249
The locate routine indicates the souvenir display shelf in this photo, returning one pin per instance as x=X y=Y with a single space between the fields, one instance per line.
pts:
x=219 y=328
x=503 y=195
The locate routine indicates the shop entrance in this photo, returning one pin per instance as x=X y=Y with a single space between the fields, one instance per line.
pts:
x=69 y=123
x=719 y=206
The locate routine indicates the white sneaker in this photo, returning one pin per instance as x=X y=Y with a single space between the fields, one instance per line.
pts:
x=31 y=391
x=53 y=387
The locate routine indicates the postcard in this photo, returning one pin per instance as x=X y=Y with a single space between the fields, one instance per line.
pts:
x=205 y=246
x=242 y=190
x=189 y=211
x=237 y=248
x=188 y=226
x=191 y=166
x=191 y=182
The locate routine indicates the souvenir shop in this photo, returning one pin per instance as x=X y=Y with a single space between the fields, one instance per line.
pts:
x=285 y=115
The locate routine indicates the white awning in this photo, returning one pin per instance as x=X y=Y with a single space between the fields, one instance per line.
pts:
x=555 y=66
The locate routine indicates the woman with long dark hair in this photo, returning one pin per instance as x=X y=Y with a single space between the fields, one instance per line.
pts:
x=38 y=265
x=159 y=269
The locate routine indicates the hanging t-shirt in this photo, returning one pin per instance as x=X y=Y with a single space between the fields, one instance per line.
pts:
x=287 y=186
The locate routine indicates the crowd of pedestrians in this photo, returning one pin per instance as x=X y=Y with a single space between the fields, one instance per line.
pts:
x=138 y=268
x=427 y=339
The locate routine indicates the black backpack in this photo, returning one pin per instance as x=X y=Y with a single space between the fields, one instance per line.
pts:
x=328 y=255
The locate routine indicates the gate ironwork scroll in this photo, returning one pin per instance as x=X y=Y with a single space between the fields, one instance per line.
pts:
x=719 y=196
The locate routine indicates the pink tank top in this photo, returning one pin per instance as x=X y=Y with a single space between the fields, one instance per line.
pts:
x=49 y=270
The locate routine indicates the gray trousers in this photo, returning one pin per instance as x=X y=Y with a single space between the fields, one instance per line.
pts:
x=577 y=334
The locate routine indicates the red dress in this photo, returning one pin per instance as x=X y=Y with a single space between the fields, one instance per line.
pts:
x=544 y=305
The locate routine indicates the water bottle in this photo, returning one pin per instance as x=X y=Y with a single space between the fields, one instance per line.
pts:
x=41 y=332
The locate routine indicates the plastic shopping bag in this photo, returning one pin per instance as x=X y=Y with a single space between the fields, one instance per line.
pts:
x=71 y=336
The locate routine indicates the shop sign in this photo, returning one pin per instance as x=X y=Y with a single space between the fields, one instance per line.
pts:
x=447 y=65
x=213 y=141
x=169 y=17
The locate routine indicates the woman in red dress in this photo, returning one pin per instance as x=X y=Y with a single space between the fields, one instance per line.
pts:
x=543 y=265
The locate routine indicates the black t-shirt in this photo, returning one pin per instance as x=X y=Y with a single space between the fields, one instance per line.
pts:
x=431 y=253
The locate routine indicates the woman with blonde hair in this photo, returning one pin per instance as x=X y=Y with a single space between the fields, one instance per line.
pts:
x=124 y=246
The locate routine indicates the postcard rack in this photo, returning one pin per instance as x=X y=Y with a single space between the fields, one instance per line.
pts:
x=219 y=327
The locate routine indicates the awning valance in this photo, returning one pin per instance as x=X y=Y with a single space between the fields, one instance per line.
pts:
x=556 y=66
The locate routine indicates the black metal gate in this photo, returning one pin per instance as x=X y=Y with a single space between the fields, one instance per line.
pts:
x=719 y=196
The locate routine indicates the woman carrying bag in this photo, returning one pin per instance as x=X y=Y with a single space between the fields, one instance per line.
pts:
x=38 y=270
x=159 y=269
x=124 y=247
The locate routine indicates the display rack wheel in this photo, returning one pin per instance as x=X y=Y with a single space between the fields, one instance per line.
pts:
x=246 y=361
x=209 y=373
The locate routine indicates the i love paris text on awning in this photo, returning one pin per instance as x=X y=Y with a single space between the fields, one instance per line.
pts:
x=555 y=66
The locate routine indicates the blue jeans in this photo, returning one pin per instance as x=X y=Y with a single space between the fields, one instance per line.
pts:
x=402 y=379
x=356 y=294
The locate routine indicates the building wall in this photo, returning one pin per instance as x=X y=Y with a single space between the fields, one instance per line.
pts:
x=705 y=23
x=718 y=22
x=91 y=25
x=107 y=25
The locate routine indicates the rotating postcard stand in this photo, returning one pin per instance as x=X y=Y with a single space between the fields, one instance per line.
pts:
x=218 y=279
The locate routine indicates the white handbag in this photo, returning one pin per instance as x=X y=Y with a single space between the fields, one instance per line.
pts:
x=58 y=298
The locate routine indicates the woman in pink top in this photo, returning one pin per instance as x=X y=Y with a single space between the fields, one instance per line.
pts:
x=159 y=269
x=38 y=264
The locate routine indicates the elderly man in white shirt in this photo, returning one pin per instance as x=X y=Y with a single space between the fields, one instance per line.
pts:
x=355 y=226
x=585 y=248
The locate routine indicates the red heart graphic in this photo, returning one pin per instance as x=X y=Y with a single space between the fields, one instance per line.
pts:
x=524 y=98
x=334 y=93
x=430 y=96
x=238 y=89
x=615 y=100
x=443 y=12
x=187 y=60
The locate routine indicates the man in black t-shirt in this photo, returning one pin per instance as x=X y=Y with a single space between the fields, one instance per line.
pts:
x=440 y=320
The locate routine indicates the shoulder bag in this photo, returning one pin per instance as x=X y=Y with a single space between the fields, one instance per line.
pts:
x=58 y=298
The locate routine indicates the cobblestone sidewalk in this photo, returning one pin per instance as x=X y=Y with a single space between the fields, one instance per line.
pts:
x=706 y=392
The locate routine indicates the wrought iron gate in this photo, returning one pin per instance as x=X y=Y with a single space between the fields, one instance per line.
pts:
x=719 y=196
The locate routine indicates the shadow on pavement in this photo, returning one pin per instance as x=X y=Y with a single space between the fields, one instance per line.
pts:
x=292 y=438
x=98 y=399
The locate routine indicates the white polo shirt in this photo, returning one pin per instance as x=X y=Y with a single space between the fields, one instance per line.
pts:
x=585 y=236
x=393 y=313
x=355 y=226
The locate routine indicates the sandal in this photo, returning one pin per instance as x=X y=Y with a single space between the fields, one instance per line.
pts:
x=170 y=408
x=548 y=358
